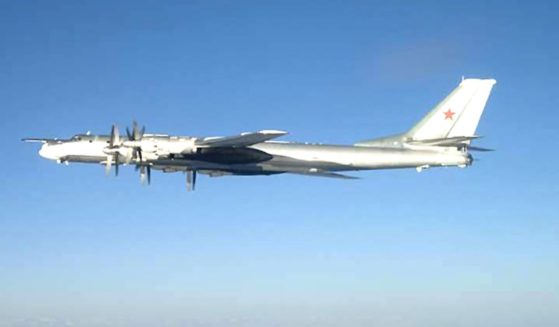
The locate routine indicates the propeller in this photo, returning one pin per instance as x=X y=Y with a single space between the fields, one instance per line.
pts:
x=112 y=150
x=136 y=135
x=118 y=147
x=145 y=174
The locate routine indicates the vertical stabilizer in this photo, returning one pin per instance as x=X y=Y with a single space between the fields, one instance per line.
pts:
x=457 y=115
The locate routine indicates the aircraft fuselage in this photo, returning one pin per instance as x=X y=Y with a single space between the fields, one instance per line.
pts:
x=269 y=157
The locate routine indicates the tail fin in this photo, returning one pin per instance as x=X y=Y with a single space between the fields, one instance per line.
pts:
x=457 y=115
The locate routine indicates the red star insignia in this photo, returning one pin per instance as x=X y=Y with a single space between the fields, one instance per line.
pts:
x=448 y=114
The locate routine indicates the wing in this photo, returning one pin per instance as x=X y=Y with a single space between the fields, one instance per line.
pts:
x=242 y=140
x=319 y=173
x=39 y=140
x=308 y=172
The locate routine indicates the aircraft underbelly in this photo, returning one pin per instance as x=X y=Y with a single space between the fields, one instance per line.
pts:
x=339 y=158
x=287 y=157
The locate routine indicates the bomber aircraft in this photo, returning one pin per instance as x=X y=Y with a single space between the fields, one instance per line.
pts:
x=440 y=139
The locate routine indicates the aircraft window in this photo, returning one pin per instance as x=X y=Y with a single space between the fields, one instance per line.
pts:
x=76 y=138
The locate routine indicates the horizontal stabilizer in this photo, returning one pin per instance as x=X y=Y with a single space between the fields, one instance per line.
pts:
x=242 y=140
x=450 y=141
x=476 y=148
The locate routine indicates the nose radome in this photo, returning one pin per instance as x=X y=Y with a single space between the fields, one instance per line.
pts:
x=47 y=152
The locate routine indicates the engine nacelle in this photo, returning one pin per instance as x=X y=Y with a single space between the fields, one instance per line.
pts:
x=166 y=147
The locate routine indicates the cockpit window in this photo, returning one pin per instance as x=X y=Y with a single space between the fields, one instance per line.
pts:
x=82 y=137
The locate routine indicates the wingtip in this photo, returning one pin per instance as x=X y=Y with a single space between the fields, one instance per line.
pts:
x=273 y=132
x=491 y=81
x=33 y=139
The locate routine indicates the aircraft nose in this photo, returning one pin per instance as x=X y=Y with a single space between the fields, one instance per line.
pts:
x=47 y=152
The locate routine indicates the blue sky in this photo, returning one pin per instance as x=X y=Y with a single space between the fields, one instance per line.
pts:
x=471 y=247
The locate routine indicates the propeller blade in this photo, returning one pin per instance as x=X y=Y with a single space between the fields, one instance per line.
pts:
x=148 y=168
x=108 y=165
x=137 y=132
x=129 y=135
x=115 y=136
x=112 y=137
x=139 y=153
x=134 y=130
x=475 y=148
x=116 y=164
x=143 y=176
x=191 y=180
